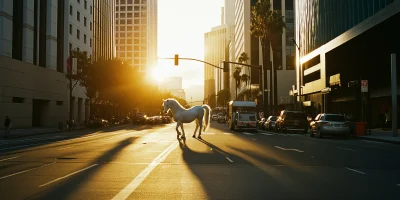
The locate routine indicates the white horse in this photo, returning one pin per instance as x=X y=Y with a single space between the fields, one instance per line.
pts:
x=183 y=115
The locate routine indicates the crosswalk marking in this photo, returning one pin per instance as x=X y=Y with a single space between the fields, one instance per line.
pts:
x=228 y=133
x=246 y=133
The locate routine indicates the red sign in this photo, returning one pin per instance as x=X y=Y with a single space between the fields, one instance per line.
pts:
x=364 y=85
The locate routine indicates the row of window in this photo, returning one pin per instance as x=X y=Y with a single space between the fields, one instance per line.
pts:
x=131 y=1
x=129 y=21
x=129 y=28
x=78 y=35
x=130 y=8
x=129 y=41
x=129 y=15
x=129 y=35
x=78 y=17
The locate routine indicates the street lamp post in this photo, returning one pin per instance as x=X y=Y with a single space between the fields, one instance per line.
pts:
x=299 y=88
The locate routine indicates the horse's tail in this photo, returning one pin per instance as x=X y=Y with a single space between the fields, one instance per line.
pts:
x=207 y=117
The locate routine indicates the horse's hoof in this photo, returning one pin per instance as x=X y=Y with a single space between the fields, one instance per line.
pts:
x=194 y=136
x=199 y=137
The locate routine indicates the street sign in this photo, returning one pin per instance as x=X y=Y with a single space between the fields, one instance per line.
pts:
x=74 y=65
x=364 y=85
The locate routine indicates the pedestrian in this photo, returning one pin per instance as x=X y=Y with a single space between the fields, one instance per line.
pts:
x=7 y=125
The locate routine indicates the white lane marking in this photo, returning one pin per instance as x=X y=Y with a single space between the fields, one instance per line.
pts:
x=289 y=149
x=246 y=133
x=254 y=138
x=208 y=133
x=228 y=133
x=355 y=170
x=373 y=141
x=65 y=148
x=26 y=171
x=9 y=158
x=230 y=160
x=267 y=134
x=131 y=187
x=68 y=175
x=346 y=149
x=25 y=146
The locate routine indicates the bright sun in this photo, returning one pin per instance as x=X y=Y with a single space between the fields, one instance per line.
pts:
x=159 y=73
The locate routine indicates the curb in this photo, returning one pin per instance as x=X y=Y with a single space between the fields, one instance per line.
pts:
x=376 y=139
x=39 y=133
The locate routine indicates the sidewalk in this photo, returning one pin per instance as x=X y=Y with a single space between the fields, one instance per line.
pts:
x=16 y=133
x=381 y=135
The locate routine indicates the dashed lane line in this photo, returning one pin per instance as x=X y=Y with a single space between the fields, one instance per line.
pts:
x=267 y=134
x=9 y=158
x=68 y=175
x=246 y=133
x=21 y=172
x=346 y=149
x=278 y=147
x=360 y=172
x=230 y=160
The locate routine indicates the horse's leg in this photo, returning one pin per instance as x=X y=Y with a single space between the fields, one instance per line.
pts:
x=183 y=132
x=177 y=131
x=201 y=126
x=197 y=126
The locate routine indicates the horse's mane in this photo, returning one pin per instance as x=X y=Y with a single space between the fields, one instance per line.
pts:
x=176 y=101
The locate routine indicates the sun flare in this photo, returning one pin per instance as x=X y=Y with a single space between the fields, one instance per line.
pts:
x=160 y=73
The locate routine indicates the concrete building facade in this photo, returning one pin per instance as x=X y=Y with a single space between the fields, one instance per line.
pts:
x=341 y=49
x=103 y=44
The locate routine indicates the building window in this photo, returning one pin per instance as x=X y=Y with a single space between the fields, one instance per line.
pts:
x=85 y=5
x=90 y=26
x=129 y=8
x=129 y=1
x=70 y=29
x=18 y=100
x=70 y=10
x=78 y=16
x=84 y=38
x=70 y=47
x=90 y=9
x=79 y=1
x=78 y=34
x=90 y=42
x=77 y=48
x=59 y=103
x=84 y=21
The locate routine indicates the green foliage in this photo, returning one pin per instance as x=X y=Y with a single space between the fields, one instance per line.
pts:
x=211 y=100
x=243 y=58
x=245 y=78
x=223 y=96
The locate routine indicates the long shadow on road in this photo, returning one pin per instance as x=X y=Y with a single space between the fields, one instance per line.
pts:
x=64 y=188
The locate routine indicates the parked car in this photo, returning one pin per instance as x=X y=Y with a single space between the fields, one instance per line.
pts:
x=270 y=123
x=214 y=117
x=290 y=120
x=261 y=123
x=330 y=124
x=140 y=118
x=221 y=118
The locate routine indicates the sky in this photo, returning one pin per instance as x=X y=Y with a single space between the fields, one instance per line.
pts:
x=181 y=28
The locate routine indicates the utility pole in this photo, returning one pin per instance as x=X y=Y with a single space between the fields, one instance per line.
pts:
x=394 y=95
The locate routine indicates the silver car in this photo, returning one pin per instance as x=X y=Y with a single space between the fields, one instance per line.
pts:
x=330 y=124
x=270 y=123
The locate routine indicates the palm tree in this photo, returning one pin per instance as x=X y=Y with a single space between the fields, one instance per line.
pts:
x=267 y=24
x=243 y=58
x=237 y=77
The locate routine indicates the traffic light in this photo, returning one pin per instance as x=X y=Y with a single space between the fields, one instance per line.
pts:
x=226 y=66
x=176 y=59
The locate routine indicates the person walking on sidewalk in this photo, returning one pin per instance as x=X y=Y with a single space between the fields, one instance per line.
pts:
x=7 y=125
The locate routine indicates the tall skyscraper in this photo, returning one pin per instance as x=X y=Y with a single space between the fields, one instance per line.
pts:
x=103 y=29
x=136 y=32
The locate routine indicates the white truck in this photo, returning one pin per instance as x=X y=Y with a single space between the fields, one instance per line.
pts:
x=242 y=115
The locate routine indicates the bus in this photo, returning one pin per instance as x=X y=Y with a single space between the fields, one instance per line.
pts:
x=242 y=115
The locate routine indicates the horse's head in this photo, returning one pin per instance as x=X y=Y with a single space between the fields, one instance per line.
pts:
x=166 y=106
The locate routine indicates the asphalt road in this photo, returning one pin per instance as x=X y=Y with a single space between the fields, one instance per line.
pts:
x=131 y=162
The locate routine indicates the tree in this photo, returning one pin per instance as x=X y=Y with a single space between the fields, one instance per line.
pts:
x=83 y=61
x=223 y=97
x=211 y=100
x=267 y=25
x=243 y=58
x=237 y=77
